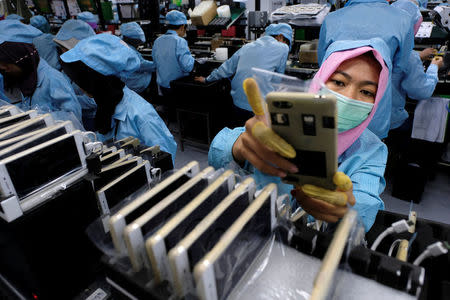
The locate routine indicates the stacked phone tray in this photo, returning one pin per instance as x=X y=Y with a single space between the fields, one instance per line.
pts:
x=38 y=157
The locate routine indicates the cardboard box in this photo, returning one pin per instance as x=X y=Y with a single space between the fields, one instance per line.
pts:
x=207 y=16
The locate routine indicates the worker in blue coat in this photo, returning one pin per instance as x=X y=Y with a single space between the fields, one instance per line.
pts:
x=40 y=85
x=171 y=53
x=269 y=52
x=366 y=19
x=44 y=43
x=70 y=33
x=14 y=17
x=96 y=64
x=414 y=82
x=356 y=72
x=134 y=36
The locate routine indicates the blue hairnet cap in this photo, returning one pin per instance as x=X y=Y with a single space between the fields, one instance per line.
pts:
x=174 y=17
x=71 y=32
x=87 y=17
x=16 y=31
x=283 y=29
x=133 y=31
x=40 y=22
x=13 y=17
x=410 y=8
x=106 y=54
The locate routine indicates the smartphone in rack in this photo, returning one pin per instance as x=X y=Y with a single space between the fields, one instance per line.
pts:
x=111 y=157
x=309 y=123
x=113 y=171
x=185 y=255
x=230 y=258
x=156 y=216
x=138 y=207
x=8 y=111
x=8 y=121
x=39 y=122
x=183 y=222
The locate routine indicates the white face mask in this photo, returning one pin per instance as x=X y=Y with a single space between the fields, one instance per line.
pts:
x=351 y=112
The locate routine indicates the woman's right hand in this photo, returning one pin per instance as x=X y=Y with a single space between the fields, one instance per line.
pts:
x=248 y=148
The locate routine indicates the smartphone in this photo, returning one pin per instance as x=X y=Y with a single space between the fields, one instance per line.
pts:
x=138 y=207
x=183 y=222
x=8 y=121
x=34 y=168
x=111 y=157
x=8 y=111
x=108 y=150
x=36 y=139
x=224 y=265
x=62 y=128
x=113 y=171
x=156 y=216
x=130 y=182
x=39 y=122
x=309 y=123
x=185 y=255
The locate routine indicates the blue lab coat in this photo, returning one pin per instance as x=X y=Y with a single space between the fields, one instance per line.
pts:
x=46 y=48
x=264 y=53
x=172 y=58
x=139 y=80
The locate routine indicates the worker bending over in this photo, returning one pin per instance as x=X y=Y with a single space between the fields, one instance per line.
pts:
x=269 y=52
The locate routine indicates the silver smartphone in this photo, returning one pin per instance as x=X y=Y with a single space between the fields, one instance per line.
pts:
x=185 y=255
x=111 y=157
x=38 y=166
x=309 y=123
x=183 y=222
x=138 y=207
x=113 y=171
x=222 y=267
x=39 y=122
x=37 y=138
x=8 y=111
x=8 y=121
x=66 y=127
x=135 y=233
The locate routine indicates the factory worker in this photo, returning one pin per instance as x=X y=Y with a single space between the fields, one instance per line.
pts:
x=39 y=84
x=366 y=19
x=44 y=43
x=134 y=36
x=95 y=64
x=89 y=18
x=170 y=52
x=413 y=82
x=269 y=52
x=14 y=17
x=70 y=33
x=357 y=72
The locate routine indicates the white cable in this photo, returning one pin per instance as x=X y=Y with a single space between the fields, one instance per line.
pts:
x=395 y=243
x=397 y=227
x=432 y=250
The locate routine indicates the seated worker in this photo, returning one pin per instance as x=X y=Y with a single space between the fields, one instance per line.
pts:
x=96 y=64
x=89 y=18
x=367 y=19
x=413 y=82
x=44 y=43
x=134 y=36
x=70 y=33
x=40 y=85
x=356 y=73
x=269 y=52
x=171 y=54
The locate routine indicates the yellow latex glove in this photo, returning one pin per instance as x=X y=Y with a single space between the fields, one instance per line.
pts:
x=266 y=136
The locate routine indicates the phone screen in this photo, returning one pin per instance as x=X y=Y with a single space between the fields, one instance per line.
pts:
x=311 y=163
x=31 y=127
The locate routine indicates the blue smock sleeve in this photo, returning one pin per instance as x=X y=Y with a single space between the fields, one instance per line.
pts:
x=184 y=56
x=419 y=84
x=220 y=152
x=282 y=66
x=148 y=66
x=401 y=57
x=226 y=70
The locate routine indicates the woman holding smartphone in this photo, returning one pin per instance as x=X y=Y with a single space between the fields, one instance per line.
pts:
x=357 y=73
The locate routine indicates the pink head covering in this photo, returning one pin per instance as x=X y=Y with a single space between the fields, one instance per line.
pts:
x=329 y=66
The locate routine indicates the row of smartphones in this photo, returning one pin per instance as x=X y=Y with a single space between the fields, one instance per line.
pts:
x=194 y=228
x=35 y=152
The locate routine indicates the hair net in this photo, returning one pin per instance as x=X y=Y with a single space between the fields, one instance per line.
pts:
x=16 y=31
x=89 y=18
x=133 y=30
x=283 y=29
x=40 y=22
x=13 y=17
x=71 y=32
x=174 y=17
x=106 y=54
